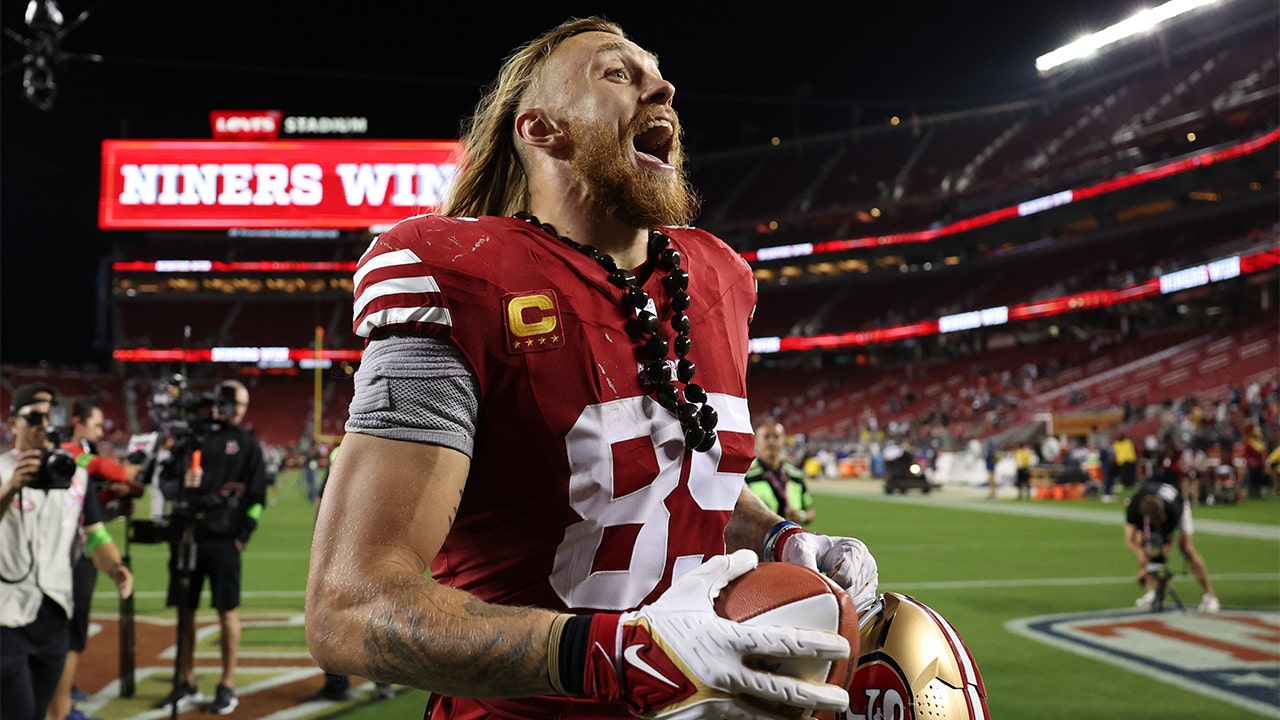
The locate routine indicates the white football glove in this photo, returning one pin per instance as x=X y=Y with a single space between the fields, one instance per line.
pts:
x=678 y=660
x=847 y=561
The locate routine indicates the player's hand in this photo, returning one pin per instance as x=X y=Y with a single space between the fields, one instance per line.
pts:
x=847 y=561
x=678 y=660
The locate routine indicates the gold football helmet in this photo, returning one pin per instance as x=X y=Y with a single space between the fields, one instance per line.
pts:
x=914 y=666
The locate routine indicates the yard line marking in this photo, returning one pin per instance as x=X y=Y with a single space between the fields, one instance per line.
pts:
x=1061 y=582
x=1046 y=509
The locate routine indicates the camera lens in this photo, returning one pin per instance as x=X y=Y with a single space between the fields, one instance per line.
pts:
x=57 y=467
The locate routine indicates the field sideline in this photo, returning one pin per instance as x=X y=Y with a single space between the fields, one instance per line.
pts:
x=1009 y=574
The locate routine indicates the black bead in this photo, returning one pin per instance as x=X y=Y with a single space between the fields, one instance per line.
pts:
x=657 y=371
x=683 y=344
x=676 y=280
x=680 y=301
x=670 y=259
x=656 y=347
x=689 y=414
x=658 y=241
x=608 y=263
x=694 y=437
x=685 y=370
x=621 y=278
x=647 y=322
x=589 y=251
x=709 y=418
x=695 y=393
x=667 y=396
x=680 y=323
x=708 y=441
x=635 y=297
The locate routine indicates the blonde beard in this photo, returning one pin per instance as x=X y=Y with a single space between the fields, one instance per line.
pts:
x=625 y=191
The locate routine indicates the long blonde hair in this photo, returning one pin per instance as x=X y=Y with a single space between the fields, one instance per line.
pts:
x=492 y=180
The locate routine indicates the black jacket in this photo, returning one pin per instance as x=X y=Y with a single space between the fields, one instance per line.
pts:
x=234 y=480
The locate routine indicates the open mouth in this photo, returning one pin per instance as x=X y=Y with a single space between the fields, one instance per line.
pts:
x=655 y=140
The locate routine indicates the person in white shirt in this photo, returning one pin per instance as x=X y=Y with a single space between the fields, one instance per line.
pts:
x=42 y=514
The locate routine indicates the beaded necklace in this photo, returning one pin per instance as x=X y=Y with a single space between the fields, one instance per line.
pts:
x=696 y=416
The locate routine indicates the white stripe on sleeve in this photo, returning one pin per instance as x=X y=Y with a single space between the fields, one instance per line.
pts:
x=394 y=286
x=401 y=315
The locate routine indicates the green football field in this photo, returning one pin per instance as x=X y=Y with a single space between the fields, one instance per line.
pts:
x=997 y=569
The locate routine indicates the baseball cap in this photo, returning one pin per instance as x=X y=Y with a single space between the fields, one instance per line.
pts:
x=26 y=395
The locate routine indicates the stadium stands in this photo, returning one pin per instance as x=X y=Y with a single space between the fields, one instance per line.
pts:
x=1135 y=108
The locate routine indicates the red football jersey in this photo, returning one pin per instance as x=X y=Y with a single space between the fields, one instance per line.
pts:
x=581 y=494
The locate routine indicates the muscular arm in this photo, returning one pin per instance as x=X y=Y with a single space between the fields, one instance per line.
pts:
x=749 y=523
x=387 y=507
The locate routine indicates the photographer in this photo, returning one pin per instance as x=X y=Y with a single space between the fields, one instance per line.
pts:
x=43 y=510
x=1155 y=515
x=221 y=497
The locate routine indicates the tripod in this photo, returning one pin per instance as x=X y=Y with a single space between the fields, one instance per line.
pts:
x=185 y=558
x=1161 y=573
x=128 y=630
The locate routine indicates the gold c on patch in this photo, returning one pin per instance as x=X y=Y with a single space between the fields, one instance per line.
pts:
x=532 y=321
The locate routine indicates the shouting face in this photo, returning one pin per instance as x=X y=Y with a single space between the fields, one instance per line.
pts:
x=624 y=136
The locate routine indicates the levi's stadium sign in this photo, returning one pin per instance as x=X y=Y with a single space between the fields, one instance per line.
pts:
x=217 y=185
x=245 y=124
x=268 y=125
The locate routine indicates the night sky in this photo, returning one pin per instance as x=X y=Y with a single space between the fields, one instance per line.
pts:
x=743 y=71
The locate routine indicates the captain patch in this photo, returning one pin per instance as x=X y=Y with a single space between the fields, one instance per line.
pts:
x=532 y=321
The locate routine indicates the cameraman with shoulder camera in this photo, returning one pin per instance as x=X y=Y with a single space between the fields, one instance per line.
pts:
x=224 y=494
x=43 y=511
x=1155 y=515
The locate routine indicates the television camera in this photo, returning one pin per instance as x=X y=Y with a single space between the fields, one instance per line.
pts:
x=183 y=418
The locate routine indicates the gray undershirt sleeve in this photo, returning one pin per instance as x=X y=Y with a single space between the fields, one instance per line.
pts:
x=415 y=388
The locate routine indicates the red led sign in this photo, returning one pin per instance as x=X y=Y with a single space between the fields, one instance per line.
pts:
x=216 y=185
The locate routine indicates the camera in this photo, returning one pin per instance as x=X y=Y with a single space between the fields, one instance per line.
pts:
x=1154 y=545
x=182 y=417
x=57 y=466
x=177 y=409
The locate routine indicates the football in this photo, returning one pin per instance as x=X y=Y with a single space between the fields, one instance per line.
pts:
x=781 y=593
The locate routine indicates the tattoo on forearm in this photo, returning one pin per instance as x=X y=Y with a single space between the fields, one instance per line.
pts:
x=470 y=649
x=453 y=514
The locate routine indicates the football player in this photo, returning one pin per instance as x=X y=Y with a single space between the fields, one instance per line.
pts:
x=550 y=416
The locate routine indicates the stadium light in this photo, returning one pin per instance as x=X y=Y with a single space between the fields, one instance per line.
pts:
x=1142 y=22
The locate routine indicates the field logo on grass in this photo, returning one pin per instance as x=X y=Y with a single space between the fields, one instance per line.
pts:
x=1233 y=656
